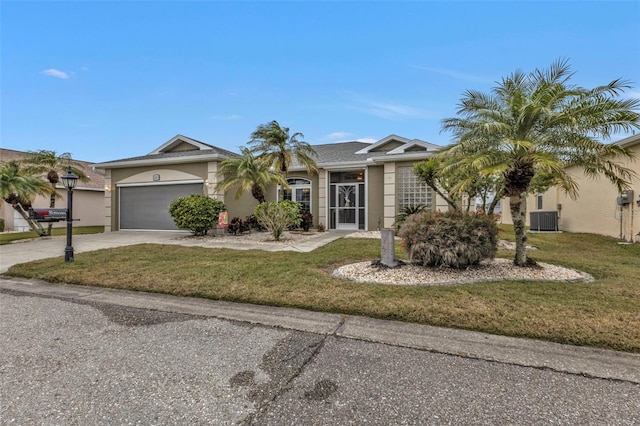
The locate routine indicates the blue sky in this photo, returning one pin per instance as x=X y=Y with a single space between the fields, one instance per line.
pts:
x=106 y=80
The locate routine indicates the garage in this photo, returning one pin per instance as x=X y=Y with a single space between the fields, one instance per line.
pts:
x=147 y=207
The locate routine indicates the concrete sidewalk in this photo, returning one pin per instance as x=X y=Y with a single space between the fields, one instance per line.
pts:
x=523 y=352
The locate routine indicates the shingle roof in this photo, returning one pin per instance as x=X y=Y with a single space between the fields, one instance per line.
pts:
x=96 y=179
x=340 y=152
x=327 y=154
x=178 y=154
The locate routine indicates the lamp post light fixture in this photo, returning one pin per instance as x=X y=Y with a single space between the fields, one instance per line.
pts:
x=69 y=180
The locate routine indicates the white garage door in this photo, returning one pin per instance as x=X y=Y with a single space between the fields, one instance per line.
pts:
x=147 y=207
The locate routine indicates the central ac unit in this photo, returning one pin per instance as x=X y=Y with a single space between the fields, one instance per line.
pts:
x=543 y=221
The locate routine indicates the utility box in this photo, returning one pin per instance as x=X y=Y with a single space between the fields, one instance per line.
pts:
x=626 y=197
x=48 y=215
x=543 y=221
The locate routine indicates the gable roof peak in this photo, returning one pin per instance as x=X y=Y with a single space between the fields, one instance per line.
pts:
x=177 y=140
x=405 y=144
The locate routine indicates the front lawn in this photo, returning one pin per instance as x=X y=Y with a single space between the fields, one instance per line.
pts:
x=8 y=237
x=604 y=313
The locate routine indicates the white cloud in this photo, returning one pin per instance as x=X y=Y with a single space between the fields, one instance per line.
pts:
x=226 y=117
x=367 y=140
x=84 y=69
x=55 y=73
x=454 y=74
x=338 y=135
x=388 y=110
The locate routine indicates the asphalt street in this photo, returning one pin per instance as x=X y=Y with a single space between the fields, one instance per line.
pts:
x=76 y=361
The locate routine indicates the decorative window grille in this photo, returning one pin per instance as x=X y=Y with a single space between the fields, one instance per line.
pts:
x=411 y=190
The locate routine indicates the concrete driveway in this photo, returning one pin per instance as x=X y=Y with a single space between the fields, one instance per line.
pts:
x=41 y=248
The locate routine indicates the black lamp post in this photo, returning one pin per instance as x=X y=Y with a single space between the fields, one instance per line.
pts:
x=69 y=180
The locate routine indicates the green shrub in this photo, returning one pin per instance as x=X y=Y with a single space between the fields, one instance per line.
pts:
x=306 y=220
x=452 y=239
x=1 y=225
x=238 y=226
x=276 y=217
x=253 y=223
x=405 y=212
x=196 y=213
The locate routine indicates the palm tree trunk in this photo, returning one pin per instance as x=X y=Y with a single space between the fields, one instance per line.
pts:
x=34 y=225
x=52 y=204
x=517 y=204
x=258 y=193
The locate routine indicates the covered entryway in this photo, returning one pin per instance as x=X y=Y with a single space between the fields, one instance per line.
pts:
x=347 y=200
x=147 y=206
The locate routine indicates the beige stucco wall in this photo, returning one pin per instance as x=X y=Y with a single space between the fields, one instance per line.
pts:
x=390 y=201
x=144 y=175
x=323 y=199
x=375 y=197
x=381 y=191
x=207 y=172
x=595 y=209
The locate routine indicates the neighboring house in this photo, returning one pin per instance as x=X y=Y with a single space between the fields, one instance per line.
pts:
x=358 y=186
x=88 y=198
x=598 y=208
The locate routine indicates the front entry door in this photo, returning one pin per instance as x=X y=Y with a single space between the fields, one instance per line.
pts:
x=347 y=206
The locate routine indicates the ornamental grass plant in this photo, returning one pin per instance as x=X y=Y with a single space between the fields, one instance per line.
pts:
x=452 y=239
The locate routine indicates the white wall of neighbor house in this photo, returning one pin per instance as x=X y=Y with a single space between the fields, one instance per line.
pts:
x=86 y=209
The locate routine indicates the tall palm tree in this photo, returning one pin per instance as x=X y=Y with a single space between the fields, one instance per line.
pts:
x=18 y=188
x=273 y=143
x=535 y=125
x=52 y=165
x=248 y=173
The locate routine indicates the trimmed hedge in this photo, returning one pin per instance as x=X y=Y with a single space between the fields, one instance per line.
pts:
x=452 y=239
x=196 y=213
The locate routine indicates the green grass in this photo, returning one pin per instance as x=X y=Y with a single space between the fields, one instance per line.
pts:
x=604 y=313
x=7 y=238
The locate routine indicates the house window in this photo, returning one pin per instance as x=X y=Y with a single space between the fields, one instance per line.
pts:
x=539 y=201
x=299 y=190
x=411 y=190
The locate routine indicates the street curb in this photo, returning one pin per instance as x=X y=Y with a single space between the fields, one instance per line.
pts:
x=591 y=362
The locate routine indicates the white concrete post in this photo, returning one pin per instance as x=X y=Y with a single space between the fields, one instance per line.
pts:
x=388 y=255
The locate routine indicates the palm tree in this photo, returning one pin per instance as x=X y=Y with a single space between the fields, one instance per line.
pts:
x=535 y=125
x=18 y=188
x=248 y=173
x=273 y=143
x=50 y=164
